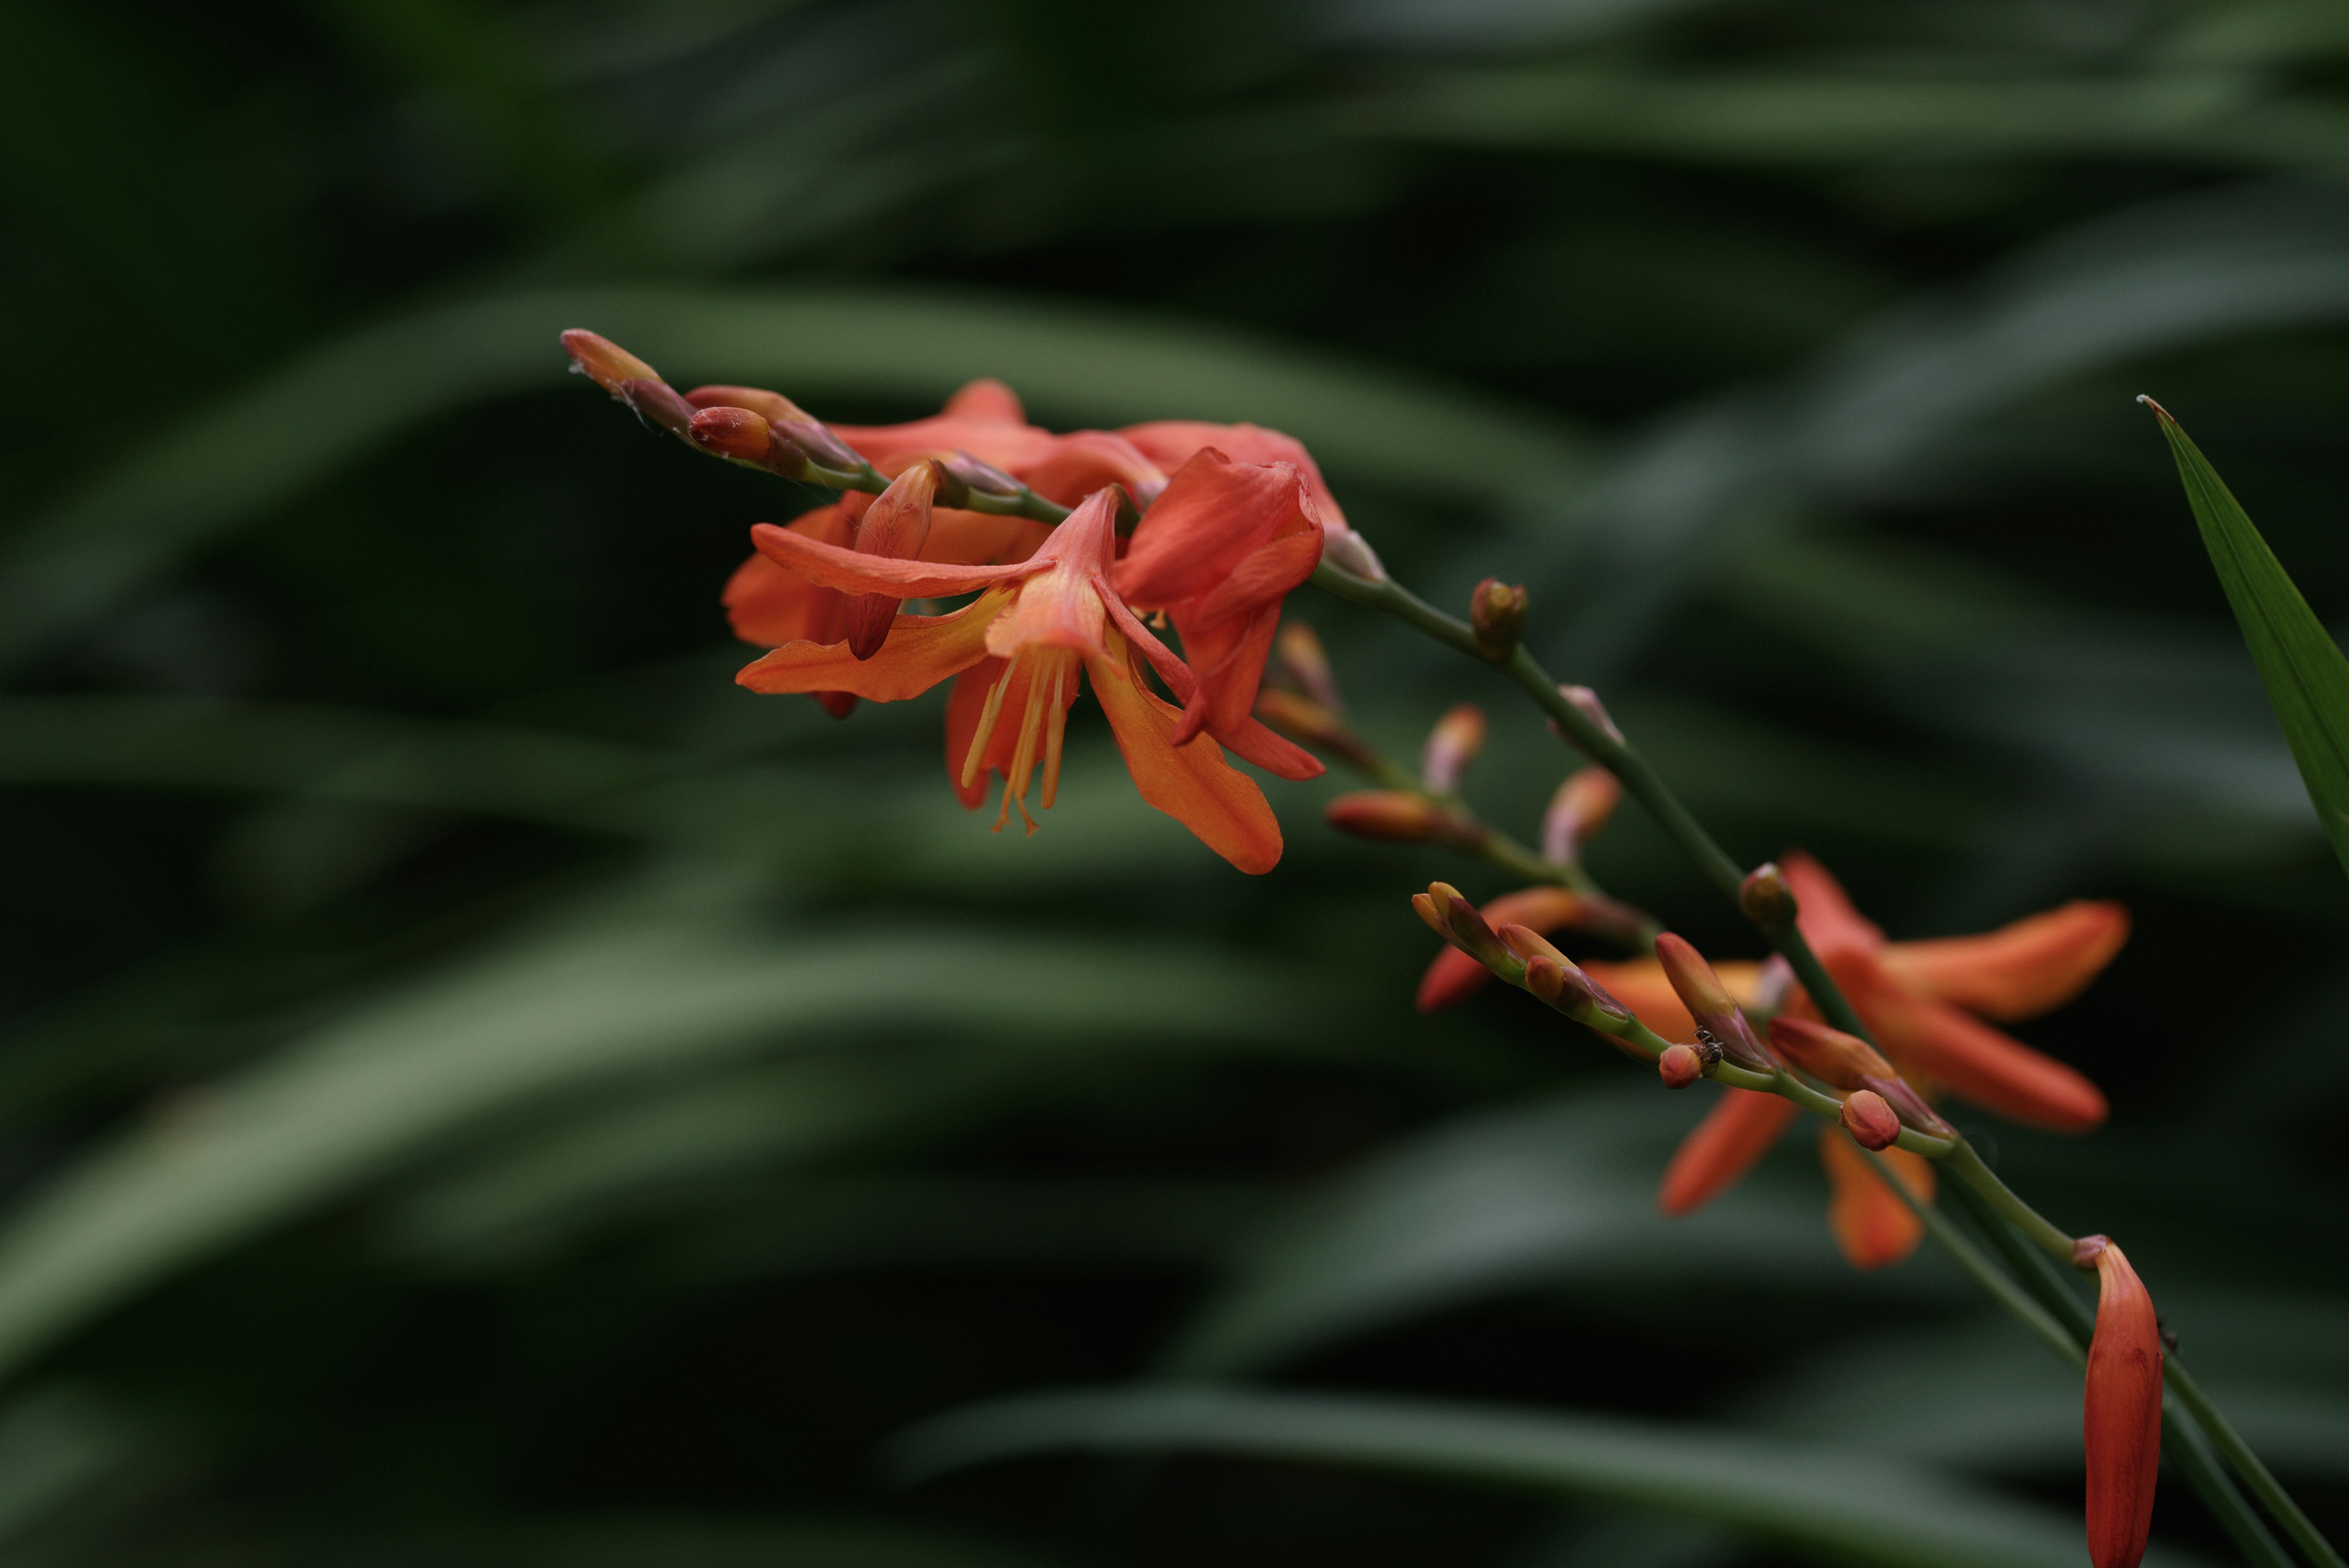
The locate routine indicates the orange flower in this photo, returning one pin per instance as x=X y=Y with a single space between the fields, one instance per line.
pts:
x=1021 y=649
x=1171 y=444
x=2121 y=1417
x=1911 y=994
x=1219 y=551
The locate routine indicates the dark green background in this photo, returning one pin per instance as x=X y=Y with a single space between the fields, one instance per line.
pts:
x=479 y=1087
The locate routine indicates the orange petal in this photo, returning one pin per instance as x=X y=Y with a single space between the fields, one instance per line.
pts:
x=1825 y=913
x=1734 y=1134
x=1214 y=515
x=852 y=572
x=768 y=607
x=2121 y=1417
x=1191 y=783
x=1967 y=1056
x=978 y=537
x=1871 y=1223
x=1085 y=461
x=1252 y=743
x=922 y=651
x=2019 y=970
x=986 y=399
x=1171 y=444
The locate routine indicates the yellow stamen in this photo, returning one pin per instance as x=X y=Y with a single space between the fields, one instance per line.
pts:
x=1056 y=723
x=988 y=715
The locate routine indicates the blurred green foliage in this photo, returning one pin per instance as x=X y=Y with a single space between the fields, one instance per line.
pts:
x=481 y=1088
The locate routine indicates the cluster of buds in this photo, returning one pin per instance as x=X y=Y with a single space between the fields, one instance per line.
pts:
x=748 y=425
x=1524 y=957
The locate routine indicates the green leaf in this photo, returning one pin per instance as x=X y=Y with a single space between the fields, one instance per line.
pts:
x=1848 y=1506
x=2299 y=664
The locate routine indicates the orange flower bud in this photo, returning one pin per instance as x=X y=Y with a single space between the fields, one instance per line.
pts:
x=1397 y=816
x=1351 y=554
x=1455 y=919
x=1577 y=811
x=1306 y=662
x=1451 y=745
x=1680 y=1066
x=1871 y=1225
x=1908 y=1104
x=2122 y=1416
x=961 y=476
x=1565 y=986
x=1766 y=898
x=1496 y=614
x=658 y=401
x=1709 y=1003
x=603 y=362
x=1869 y=1120
x=737 y=433
x=895 y=526
x=1830 y=1055
x=772 y=407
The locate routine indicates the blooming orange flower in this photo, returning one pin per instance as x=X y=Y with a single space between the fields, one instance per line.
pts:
x=2121 y=1416
x=1036 y=626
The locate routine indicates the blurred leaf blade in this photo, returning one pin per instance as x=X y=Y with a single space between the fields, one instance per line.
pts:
x=2306 y=678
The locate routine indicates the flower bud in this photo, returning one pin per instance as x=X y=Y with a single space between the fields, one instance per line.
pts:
x=1568 y=987
x=1451 y=746
x=1680 y=1066
x=657 y=401
x=961 y=476
x=1709 y=1002
x=1869 y=1120
x=1496 y=614
x=1302 y=719
x=1397 y=816
x=737 y=433
x=1577 y=812
x=603 y=362
x=1909 y=1105
x=1833 y=1058
x=772 y=407
x=895 y=526
x=2121 y=1416
x=1351 y=554
x=1455 y=919
x=1585 y=701
x=1766 y=898
x=1306 y=662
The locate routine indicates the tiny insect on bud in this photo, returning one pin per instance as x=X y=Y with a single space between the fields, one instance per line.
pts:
x=1766 y=898
x=1709 y=1003
x=1496 y=615
x=737 y=433
x=1869 y=1120
x=1397 y=816
x=1909 y=1104
x=657 y=401
x=1577 y=811
x=2121 y=1415
x=603 y=362
x=895 y=526
x=1306 y=664
x=1830 y=1055
x=1585 y=701
x=1452 y=746
x=1680 y=1066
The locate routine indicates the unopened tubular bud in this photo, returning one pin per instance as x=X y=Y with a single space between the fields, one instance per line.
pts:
x=1305 y=661
x=1766 y=898
x=1830 y=1055
x=1680 y=1066
x=737 y=433
x=1456 y=920
x=657 y=401
x=1709 y=1002
x=1396 y=816
x=1577 y=812
x=895 y=526
x=1909 y=1105
x=603 y=362
x=1585 y=701
x=1568 y=987
x=1451 y=745
x=962 y=477
x=2121 y=1419
x=1869 y=1120
x=1496 y=614
x=772 y=407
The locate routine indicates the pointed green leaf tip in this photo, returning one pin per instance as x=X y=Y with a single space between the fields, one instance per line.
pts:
x=2306 y=678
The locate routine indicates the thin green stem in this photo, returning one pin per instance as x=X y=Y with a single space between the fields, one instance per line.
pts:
x=1995 y=1281
x=2246 y=1464
x=1967 y=1166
